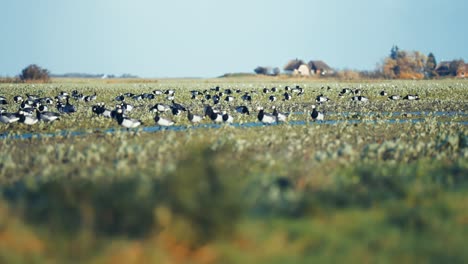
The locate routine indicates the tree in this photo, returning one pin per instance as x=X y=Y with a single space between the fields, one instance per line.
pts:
x=262 y=70
x=34 y=73
x=430 y=66
x=394 y=52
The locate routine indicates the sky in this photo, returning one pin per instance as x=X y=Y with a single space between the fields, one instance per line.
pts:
x=207 y=38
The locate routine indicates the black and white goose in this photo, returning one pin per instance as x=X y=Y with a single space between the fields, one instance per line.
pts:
x=126 y=107
x=66 y=108
x=360 y=98
x=161 y=108
x=229 y=98
x=321 y=99
x=126 y=121
x=383 y=93
x=8 y=118
x=3 y=100
x=27 y=119
x=227 y=118
x=194 y=118
x=264 y=117
x=272 y=98
x=316 y=115
x=287 y=96
x=394 y=97
x=178 y=106
x=215 y=116
x=161 y=121
x=280 y=117
x=18 y=99
x=242 y=109
x=411 y=97
x=90 y=98
x=47 y=116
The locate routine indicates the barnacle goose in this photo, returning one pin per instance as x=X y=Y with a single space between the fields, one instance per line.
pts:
x=193 y=118
x=264 y=117
x=8 y=118
x=47 y=116
x=26 y=119
x=160 y=108
x=242 y=109
x=280 y=117
x=411 y=97
x=125 y=121
x=321 y=98
x=160 y=121
x=316 y=115
x=394 y=97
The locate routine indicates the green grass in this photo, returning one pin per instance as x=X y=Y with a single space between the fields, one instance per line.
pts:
x=367 y=192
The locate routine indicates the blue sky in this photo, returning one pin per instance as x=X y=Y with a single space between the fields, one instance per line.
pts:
x=207 y=38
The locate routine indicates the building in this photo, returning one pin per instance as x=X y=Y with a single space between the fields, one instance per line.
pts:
x=320 y=68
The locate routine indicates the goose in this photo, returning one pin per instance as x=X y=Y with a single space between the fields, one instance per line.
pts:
x=125 y=121
x=119 y=98
x=90 y=98
x=161 y=108
x=321 y=99
x=27 y=119
x=265 y=118
x=228 y=91
x=160 y=121
x=280 y=117
x=266 y=90
x=46 y=100
x=18 y=99
x=3 y=100
x=227 y=118
x=297 y=89
x=242 y=109
x=215 y=99
x=194 y=118
x=274 y=90
x=42 y=108
x=47 y=116
x=214 y=115
x=126 y=107
x=383 y=93
x=169 y=92
x=287 y=88
x=148 y=96
x=178 y=106
x=394 y=97
x=66 y=108
x=8 y=118
x=411 y=97
x=272 y=98
x=157 y=92
x=247 y=97
x=316 y=115
x=137 y=97
x=357 y=91
x=345 y=91
x=229 y=98
x=360 y=98
x=287 y=96
x=175 y=111
x=32 y=97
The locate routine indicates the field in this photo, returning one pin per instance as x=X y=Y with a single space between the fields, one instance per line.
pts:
x=375 y=182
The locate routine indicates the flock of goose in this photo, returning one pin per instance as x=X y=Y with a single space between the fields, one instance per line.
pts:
x=33 y=108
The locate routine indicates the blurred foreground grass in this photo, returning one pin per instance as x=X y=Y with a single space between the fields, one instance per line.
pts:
x=203 y=211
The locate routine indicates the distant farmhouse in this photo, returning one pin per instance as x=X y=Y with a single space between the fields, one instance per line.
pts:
x=452 y=68
x=314 y=67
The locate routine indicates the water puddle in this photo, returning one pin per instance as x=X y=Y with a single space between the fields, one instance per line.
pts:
x=153 y=129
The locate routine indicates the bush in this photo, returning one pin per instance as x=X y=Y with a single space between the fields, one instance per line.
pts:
x=34 y=73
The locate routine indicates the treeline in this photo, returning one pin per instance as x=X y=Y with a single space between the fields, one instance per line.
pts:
x=399 y=64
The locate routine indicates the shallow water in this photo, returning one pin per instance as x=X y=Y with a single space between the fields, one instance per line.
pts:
x=153 y=129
